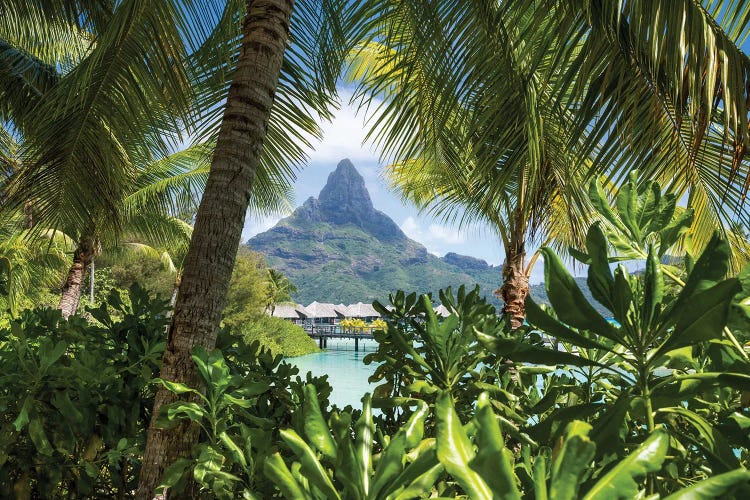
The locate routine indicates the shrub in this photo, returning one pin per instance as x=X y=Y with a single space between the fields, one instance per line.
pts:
x=278 y=335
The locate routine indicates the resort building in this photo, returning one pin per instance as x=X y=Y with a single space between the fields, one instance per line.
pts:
x=296 y=313
x=321 y=313
x=362 y=311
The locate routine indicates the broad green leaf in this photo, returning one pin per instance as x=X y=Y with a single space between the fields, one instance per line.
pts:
x=712 y=440
x=571 y=461
x=713 y=487
x=702 y=317
x=522 y=352
x=364 y=429
x=391 y=463
x=39 y=437
x=540 y=319
x=567 y=299
x=23 y=416
x=606 y=429
x=175 y=473
x=316 y=428
x=712 y=266
x=600 y=202
x=620 y=481
x=49 y=353
x=276 y=470
x=600 y=279
x=653 y=293
x=670 y=234
x=491 y=460
x=311 y=467
x=626 y=203
x=179 y=409
x=454 y=450
x=177 y=387
x=236 y=451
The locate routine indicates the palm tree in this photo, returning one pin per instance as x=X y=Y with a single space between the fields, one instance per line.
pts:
x=279 y=289
x=498 y=111
x=269 y=85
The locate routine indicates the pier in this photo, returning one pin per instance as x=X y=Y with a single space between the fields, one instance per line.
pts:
x=322 y=333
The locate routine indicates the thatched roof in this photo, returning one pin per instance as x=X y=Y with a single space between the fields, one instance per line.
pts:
x=360 y=310
x=290 y=311
x=323 y=310
x=341 y=309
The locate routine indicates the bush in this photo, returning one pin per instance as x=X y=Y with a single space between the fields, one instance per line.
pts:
x=278 y=335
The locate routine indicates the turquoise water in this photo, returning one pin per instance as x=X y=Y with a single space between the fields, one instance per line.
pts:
x=346 y=372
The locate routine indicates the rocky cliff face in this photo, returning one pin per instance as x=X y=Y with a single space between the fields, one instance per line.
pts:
x=345 y=200
x=339 y=248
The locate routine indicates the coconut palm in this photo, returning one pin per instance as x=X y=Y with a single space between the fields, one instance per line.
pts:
x=271 y=85
x=497 y=111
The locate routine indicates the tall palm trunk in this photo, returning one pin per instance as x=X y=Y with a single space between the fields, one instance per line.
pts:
x=515 y=287
x=71 y=290
x=218 y=227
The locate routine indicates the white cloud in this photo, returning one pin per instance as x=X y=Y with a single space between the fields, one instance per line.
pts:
x=344 y=137
x=254 y=225
x=435 y=237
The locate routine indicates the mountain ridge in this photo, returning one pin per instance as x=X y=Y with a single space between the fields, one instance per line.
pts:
x=339 y=248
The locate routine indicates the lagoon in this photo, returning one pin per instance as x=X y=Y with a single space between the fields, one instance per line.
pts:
x=345 y=368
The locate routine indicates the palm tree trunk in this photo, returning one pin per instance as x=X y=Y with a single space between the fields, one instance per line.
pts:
x=71 y=290
x=92 y=270
x=515 y=287
x=218 y=227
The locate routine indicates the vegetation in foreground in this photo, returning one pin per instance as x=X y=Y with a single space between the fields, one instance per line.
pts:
x=569 y=406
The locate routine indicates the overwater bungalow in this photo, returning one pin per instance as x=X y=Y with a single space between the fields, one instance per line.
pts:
x=362 y=311
x=321 y=313
x=296 y=313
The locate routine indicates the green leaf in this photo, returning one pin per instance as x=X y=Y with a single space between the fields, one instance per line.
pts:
x=600 y=279
x=702 y=317
x=572 y=460
x=626 y=202
x=670 y=234
x=311 y=467
x=49 y=353
x=567 y=299
x=653 y=293
x=180 y=409
x=712 y=487
x=39 y=437
x=492 y=462
x=522 y=352
x=454 y=450
x=236 y=451
x=176 y=387
x=605 y=432
x=23 y=416
x=391 y=466
x=546 y=323
x=600 y=202
x=276 y=470
x=316 y=428
x=175 y=473
x=619 y=482
x=364 y=429
x=712 y=440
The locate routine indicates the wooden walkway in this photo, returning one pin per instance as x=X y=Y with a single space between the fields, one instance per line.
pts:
x=324 y=332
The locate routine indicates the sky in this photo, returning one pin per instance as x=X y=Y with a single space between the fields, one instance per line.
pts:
x=344 y=138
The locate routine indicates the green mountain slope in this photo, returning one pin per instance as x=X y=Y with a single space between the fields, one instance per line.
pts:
x=338 y=248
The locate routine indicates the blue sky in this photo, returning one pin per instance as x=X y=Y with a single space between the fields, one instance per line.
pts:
x=343 y=138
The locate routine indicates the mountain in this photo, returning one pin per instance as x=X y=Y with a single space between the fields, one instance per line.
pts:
x=338 y=248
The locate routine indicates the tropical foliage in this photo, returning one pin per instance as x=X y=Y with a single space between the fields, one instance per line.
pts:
x=492 y=111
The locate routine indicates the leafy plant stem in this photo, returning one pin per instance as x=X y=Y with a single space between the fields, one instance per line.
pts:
x=727 y=332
